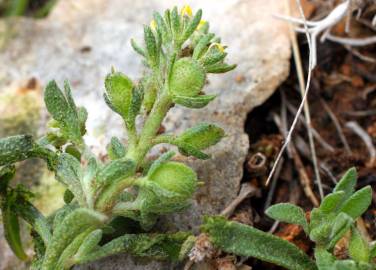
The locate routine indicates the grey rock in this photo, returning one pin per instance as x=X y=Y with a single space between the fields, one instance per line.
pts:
x=81 y=40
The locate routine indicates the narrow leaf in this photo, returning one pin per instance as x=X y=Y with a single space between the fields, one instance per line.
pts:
x=12 y=231
x=247 y=241
x=358 y=247
x=332 y=201
x=287 y=212
x=69 y=172
x=358 y=203
x=15 y=148
x=73 y=224
x=196 y=102
x=157 y=246
x=115 y=171
x=347 y=183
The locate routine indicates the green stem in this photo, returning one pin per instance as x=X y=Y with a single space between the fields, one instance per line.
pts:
x=108 y=197
x=151 y=127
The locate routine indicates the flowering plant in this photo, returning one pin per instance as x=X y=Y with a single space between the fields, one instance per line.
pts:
x=178 y=52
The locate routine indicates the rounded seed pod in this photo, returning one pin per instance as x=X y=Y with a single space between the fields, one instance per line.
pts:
x=187 y=77
x=175 y=177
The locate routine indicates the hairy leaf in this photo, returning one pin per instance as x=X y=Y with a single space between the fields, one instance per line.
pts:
x=15 y=148
x=358 y=203
x=12 y=230
x=202 y=136
x=69 y=172
x=347 y=183
x=89 y=244
x=62 y=108
x=72 y=225
x=157 y=246
x=287 y=212
x=247 y=241
x=116 y=149
x=196 y=102
x=332 y=201
x=115 y=171
x=358 y=247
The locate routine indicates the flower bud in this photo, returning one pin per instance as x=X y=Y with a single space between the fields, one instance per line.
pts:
x=187 y=78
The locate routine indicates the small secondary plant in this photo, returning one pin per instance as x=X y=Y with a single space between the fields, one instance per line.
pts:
x=178 y=52
x=333 y=220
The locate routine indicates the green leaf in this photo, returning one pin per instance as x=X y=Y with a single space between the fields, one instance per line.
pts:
x=196 y=102
x=31 y=215
x=188 y=150
x=162 y=27
x=15 y=148
x=12 y=230
x=137 y=48
x=192 y=26
x=358 y=203
x=247 y=241
x=324 y=259
x=65 y=260
x=373 y=251
x=89 y=244
x=347 y=183
x=6 y=175
x=340 y=226
x=156 y=246
x=201 y=136
x=202 y=46
x=116 y=149
x=151 y=47
x=287 y=212
x=358 y=247
x=63 y=110
x=345 y=265
x=72 y=225
x=219 y=68
x=88 y=181
x=119 y=93
x=69 y=172
x=331 y=202
x=175 y=23
x=115 y=171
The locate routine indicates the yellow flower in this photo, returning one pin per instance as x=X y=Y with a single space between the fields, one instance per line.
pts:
x=153 y=24
x=186 y=10
x=218 y=46
x=201 y=24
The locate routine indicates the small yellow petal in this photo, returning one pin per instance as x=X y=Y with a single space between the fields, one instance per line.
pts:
x=186 y=10
x=219 y=46
x=201 y=24
x=153 y=25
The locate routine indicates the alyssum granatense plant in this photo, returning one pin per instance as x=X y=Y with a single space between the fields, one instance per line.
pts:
x=179 y=52
x=333 y=220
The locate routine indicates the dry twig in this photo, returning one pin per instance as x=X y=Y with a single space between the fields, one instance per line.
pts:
x=358 y=130
x=337 y=126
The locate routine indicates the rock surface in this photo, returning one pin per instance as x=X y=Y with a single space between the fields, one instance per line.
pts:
x=81 y=40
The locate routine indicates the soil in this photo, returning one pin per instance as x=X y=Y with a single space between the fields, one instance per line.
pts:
x=341 y=83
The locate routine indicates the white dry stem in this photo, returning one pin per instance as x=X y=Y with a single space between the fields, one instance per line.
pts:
x=354 y=42
x=304 y=98
x=299 y=70
x=314 y=28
